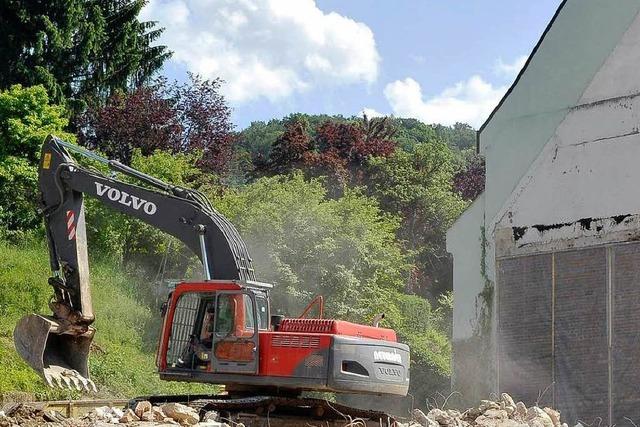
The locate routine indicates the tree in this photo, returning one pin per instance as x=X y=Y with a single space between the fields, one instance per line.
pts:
x=411 y=132
x=291 y=150
x=470 y=180
x=142 y=119
x=461 y=135
x=178 y=118
x=26 y=118
x=343 y=248
x=78 y=49
x=344 y=147
x=337 y=149
x=205 y=118
x=417 y=187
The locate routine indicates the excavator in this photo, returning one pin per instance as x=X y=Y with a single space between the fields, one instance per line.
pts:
x=218 y=330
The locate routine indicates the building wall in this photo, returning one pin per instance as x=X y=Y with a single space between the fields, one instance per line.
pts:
x=582 y=36
x=560 y=154
x=464 y=242
x=568 y=331
x=588 y=169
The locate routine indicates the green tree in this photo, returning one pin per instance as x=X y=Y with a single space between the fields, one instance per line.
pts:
x=461 y=135
x=411 y=132
x=417 y=186
x=345 y=249
x=26 y=118
x=77 y=49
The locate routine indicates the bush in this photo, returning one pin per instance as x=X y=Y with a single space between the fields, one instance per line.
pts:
x=26 y=118
x=346 y=250
x=122 y=361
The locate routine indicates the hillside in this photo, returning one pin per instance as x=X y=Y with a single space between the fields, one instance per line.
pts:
x=122 y=361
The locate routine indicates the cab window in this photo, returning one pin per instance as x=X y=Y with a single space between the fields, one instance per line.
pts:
x=262 y=308
x=225 y=313
x=249 y=323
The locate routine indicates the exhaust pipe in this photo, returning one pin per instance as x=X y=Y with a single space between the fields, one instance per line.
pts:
x=60 y=357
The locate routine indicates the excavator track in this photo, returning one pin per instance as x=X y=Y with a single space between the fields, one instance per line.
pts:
x=277 y=411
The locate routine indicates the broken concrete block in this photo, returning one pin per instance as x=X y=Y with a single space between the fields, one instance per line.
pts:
x=507 y=400
x=181 y=413
x=142 y=407
x=521 y=410
x=492 y=418
x=117 y=412
x=536 y=417
x=129 y=417
x=487 y=404
x=211 y=416
x=423 y=420
x=440 y=416
x=554 y=415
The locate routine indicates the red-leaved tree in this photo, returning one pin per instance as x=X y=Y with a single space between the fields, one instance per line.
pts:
x=291 y=150
x=337 y=149
x=179 y=118
x=469 y=182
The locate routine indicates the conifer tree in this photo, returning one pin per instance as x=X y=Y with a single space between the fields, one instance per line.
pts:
x=78 y=49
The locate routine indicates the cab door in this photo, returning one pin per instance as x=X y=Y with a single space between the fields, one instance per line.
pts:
x=235 y=333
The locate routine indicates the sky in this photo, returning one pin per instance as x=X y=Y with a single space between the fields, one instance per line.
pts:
x=439 y=61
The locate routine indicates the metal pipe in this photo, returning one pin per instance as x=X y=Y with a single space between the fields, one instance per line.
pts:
x=203 y=249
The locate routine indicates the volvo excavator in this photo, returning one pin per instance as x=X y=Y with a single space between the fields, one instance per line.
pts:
x=217 y=330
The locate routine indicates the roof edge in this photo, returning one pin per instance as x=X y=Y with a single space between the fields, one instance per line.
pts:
x=524 y=68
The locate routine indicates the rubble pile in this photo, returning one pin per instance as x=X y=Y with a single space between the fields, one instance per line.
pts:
x=147 y=415
x=144 y=415
x=502 y=413
x=25 y=415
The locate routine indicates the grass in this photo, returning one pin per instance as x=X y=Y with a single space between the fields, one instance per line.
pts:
x=122 y=363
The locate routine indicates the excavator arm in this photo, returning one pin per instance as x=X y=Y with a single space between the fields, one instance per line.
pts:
x=57 y=346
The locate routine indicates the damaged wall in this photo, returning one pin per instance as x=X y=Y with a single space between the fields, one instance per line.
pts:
x=563 y=243
x=561 y=153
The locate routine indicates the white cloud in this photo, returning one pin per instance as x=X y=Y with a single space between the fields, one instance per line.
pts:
x=266 y=48
x=370 y=113
x=510 y=70
x=469 y=101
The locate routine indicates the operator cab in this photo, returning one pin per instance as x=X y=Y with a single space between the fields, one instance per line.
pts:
x=213 y=327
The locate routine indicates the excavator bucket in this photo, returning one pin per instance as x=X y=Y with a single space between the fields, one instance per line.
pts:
x=61 y=359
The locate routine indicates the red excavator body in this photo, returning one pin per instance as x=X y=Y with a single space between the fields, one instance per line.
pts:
x=222 y=332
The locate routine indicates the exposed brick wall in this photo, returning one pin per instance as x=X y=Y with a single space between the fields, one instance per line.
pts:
x=524 y=328
x=626 y=334
x=580 y=335
x=579 y=362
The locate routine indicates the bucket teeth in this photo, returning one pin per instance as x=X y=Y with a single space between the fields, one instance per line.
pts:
x=57 y=376
x=61 y=358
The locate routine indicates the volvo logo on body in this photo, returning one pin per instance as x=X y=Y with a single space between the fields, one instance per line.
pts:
x=390 y=372
x=126 y=199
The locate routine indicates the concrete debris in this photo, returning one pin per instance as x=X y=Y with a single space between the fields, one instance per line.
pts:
x=502 y=413
x=129 y=417
x=142 y=407
x=211 y=416
x=147 y=415
x=184 y=415
x=28 y=416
